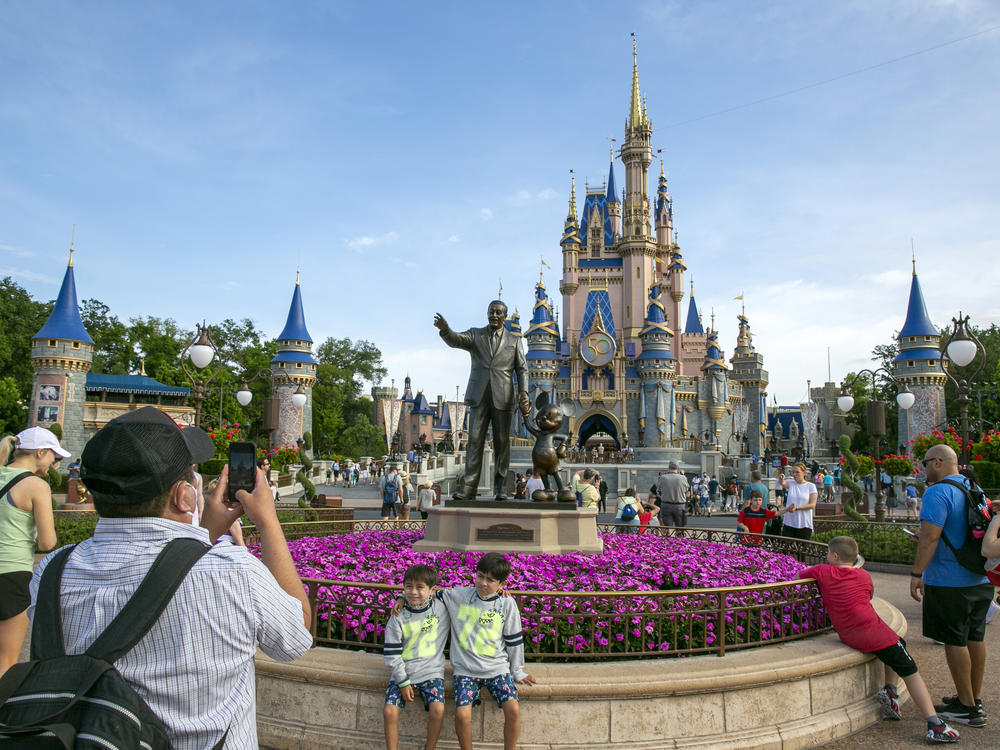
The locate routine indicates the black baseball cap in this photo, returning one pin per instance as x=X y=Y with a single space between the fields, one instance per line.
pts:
x=139 y=455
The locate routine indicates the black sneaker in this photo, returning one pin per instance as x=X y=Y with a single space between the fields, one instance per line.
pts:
x=950 y=701
x=957 y=713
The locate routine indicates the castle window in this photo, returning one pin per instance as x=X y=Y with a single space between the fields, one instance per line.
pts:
x=930 y=363
x=52 y=342
x=910 y=363
x=298 y=364
x=927 y=338
x=637 y=272
x=76 y=344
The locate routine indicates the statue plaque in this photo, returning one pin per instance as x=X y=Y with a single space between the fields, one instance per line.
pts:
x=505 y=532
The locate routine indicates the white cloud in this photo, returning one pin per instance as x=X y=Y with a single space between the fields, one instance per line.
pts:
x=546 y=194
x=486 y=214
x=523 y=196
x=453 y=238
x=20 y=274
x=19 y=252
x=894 y=277
x=230 y=285
x=362 y=243
x=433 y=370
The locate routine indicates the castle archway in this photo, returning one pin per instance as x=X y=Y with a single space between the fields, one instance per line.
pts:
x=599 y=422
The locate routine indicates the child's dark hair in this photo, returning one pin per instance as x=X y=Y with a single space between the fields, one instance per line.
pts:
x=421 y=574
x=495 y=566
x=756 y=493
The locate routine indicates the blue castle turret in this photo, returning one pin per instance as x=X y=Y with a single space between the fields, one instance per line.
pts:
x=714 y=382
x=657 y=368
x=62 y=353
x=919 y=366
x=292 y=367
x=543 y=344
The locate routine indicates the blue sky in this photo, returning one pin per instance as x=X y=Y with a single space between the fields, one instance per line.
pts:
x=203 y=150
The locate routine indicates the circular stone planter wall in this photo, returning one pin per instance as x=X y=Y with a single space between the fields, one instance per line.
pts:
x=791 y=695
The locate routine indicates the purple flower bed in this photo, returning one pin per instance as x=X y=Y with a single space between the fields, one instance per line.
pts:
x=566 y=626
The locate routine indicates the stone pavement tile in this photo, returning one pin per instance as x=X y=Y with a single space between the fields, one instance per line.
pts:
x=909 y=733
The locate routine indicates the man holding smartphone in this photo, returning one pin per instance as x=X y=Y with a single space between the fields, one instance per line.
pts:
x=199 y=684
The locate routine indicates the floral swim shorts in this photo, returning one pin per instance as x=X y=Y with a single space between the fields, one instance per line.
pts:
x=431 y=691
x=501 y=687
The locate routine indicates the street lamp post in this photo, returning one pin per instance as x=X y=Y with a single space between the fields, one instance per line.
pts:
x=876 y=422
x=201 y=350
x=962 y=349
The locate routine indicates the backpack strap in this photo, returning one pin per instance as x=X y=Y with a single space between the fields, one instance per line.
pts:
x=146 y=605
x=46 y=628
x=7 y=487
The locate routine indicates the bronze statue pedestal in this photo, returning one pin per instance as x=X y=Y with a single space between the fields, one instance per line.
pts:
x=535 y=528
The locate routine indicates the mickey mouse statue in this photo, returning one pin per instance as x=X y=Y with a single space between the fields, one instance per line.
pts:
x=546 y=453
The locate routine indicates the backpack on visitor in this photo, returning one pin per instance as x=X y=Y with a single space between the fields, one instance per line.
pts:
x=978 y=514
x=60 y=701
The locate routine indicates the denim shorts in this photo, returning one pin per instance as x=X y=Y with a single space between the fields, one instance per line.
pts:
x=501 y=687
x=431 y=691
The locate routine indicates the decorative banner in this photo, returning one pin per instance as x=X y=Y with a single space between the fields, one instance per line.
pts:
x=642 y=407
x=741 y=418
x=810 y=412
x=397 y=408
x=661 y=413
x=456 y=415
x=387 y=422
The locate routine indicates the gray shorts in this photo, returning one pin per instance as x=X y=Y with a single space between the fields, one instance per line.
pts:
x=673 y=515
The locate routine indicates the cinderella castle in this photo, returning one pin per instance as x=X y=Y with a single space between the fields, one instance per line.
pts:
x=631 y=364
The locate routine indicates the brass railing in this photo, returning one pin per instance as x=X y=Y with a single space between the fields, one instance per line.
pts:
x=581 y=625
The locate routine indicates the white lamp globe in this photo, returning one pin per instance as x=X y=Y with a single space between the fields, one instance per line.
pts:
x=845 y=403
x=244 y=396
x=905 y=399
x=299 y=398
x=961 y=351
x=200 y=355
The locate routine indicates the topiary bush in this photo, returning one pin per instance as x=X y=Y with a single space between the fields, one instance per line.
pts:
x=74 y=526
x=308 y=488
x=850 y=470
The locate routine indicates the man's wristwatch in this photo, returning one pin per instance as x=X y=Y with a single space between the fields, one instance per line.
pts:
x=916 y=575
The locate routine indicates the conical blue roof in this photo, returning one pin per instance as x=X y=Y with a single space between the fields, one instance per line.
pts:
x=64 y=321
x=714 y=358
x=917 y=322
x=612 y=196
x=420 y=405
x=295 y=325
x=693 y=324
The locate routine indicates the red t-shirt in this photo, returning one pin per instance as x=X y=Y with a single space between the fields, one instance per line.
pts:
x=755 y=520
x=847 y=594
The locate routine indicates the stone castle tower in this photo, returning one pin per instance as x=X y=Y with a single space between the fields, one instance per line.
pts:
x=919 y=366
x=61 y=355
x=293 y=367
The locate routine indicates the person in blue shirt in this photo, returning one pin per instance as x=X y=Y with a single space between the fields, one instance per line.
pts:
x=955 y=600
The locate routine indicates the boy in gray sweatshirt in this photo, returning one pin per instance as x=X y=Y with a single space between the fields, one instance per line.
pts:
x=487 y=648
x=414 y=650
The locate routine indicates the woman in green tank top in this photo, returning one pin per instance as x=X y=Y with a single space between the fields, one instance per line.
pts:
x=25 y=522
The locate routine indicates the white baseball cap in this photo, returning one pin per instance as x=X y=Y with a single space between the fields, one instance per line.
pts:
x=35 y=438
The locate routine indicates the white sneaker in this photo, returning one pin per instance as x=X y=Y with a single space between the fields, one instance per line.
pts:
x=991 y=613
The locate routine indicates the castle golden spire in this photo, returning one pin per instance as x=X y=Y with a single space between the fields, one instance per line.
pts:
x=635 y=107
x=73 y=239
x=572 y=195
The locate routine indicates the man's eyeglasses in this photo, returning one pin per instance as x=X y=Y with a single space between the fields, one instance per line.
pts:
x=928 y=460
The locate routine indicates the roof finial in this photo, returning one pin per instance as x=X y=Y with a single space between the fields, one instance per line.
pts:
x=660 y=152
x=635 y=113
x=142 y=365
x=692 y=285
x=713 y=321
x=913 y=256
x=296 y=276
x=71 y=241
x=572 y=194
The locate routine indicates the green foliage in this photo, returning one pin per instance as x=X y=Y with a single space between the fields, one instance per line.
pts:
x=307 y=440
x=847 y=474
x=213 y=466
x=897 y=466
x=988 y=473
x=57 y=481
x=876 y=542
x=987 y=448
x=866 y=465
x=281 y=458
x=222 y=438
x=920 y=444
x=22 y=318
x=986 y=390
x=340 y=411
x=56 y=429
x=75 y=526
x=308 y=488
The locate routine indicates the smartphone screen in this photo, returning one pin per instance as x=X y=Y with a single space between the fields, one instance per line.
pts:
x=242 y=468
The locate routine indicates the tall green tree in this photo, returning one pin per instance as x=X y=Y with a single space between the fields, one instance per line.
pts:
x=113 y=353
x=985 y=394
x=22 y=318
x=340 y=410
